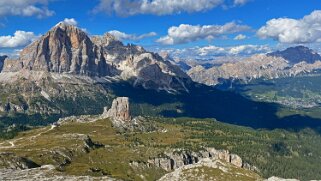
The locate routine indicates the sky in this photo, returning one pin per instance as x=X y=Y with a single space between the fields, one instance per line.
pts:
x=184 y=28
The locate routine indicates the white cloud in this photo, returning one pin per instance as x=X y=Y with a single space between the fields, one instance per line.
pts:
x=19 y=39
x=70 y=21
x=185 y=33
x=240 y=37
x=287 y=30
x=155 y=7
x=240 y=2
x=25 y=8
x=123 y=36
x=248 y=49
x=211 y=51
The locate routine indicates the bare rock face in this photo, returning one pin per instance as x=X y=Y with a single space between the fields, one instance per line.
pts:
x=11 y=161
x=65 y=48
x=119 y=110
x=121 y=117
x=2 y=58
x=12 y=65
x=147 y=69
x=178 y=158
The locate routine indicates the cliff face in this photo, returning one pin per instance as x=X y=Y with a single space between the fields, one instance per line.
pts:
x=2 y=58
x=65 y=48
x=146 y=69
x=178 y=158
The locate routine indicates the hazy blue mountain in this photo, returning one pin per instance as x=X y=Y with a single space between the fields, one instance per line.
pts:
x=297 y=54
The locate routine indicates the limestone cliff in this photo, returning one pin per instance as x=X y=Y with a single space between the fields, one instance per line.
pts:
x=145 y=68
x=65 y=48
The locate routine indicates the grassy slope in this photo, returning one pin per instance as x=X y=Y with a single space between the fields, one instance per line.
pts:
x=278 y=152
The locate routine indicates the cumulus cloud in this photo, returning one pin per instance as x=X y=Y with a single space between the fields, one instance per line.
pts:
x=185 y=33
x=36 y=8
x=155 y=7
x=211 y=51
x=287 y=30
x=233 y=50
x=19 y=39
x=240 y=2
x=240 y=37
x=123 y=36
x=70 y=21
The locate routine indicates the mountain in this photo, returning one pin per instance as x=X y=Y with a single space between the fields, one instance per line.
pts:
x=68 y=49
x=65 y=48
x=67 y=72
x=297 y=54
x=255 y=67
x=145 y=68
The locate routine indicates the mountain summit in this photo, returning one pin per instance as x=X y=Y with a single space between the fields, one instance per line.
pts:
x=68 y=49
x=297 y=54
x=65 y=48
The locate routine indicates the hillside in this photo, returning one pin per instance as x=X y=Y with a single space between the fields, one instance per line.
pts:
x=85 y=147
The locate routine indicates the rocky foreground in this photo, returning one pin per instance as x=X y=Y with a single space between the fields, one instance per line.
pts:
x=52 y=153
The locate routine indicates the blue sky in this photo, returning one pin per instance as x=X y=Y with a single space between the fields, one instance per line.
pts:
x=134 y=18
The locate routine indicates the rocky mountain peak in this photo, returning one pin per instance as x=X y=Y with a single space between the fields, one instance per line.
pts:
x=297 y=54
x=68 y=49
x=65 y=48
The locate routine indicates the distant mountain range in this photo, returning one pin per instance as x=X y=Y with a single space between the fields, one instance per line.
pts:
x=290 y=62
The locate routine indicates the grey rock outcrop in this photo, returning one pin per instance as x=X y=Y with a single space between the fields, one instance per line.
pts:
x=177 y=158
x=210 y=169
x=11 y=161
x=120 y=115
x=119 y=111
x=46 y=172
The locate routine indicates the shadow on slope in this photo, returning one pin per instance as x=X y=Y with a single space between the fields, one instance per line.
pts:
x=207 y=102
